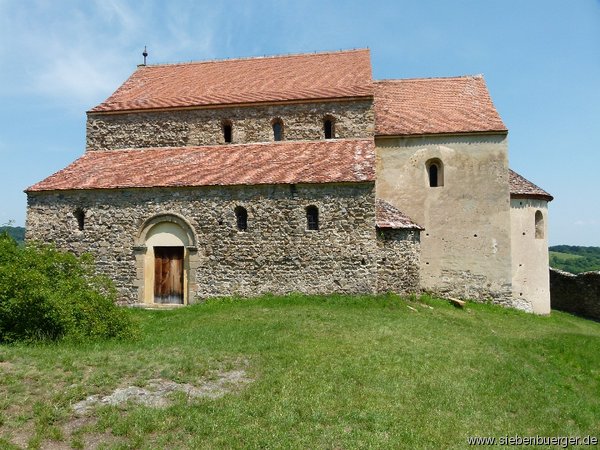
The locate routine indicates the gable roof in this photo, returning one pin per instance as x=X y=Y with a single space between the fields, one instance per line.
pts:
x=250 y=80
x=434 y=105
x=388 y=216
x=520 y=187
x=331 y=161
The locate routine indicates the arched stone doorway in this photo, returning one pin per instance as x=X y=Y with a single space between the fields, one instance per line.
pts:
x=166 y=252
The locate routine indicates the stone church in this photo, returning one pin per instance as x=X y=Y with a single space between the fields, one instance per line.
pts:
x=298 y=173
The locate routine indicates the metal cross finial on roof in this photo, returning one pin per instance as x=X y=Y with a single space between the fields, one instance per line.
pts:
x=145 y=55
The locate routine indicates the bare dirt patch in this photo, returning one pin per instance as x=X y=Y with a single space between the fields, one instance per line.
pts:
x=21 y=437
x=157 y=392
x=6 y=366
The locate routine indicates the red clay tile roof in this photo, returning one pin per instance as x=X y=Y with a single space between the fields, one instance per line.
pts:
x=523 y=188
x=331 y=161
x=434 y=105
x=388 y=216
x=267 y=79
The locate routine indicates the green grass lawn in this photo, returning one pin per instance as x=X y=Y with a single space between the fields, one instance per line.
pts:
x=328 y=372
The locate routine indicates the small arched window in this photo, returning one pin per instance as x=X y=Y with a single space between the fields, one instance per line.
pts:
x=329 y=127
x=241 y=218
x=227 y=131
x=312 y=217
x=277 y=130
x=435 y=172
x=433 y=175
x=539 y=225
x=80 y=216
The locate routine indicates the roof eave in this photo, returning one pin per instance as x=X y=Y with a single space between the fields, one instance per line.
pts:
x=399 y=227
x=94 y=110
x=445 y=133
x=545 y=197
x=33 y=190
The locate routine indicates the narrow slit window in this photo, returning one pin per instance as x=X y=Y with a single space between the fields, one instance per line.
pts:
x=227 y=132
x=433 y=175
x=329 y=128
x=277 y=130
x=435 y=172
x=539 y=225
x=312 y=217
x=80 y=217
x=241 y=218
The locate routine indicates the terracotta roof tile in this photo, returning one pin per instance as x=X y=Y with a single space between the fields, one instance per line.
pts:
x=521 y=187
x=434 y=105
x=388 y=216
x=267 y=79
x=350 y=160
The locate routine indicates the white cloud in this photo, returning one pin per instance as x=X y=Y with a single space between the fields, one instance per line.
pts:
x=191 y=28
x=80 y=52
x=78 y=75
x=110 y=10
x=57 y=53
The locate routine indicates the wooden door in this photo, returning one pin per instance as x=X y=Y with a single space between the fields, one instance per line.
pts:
x=168 y=275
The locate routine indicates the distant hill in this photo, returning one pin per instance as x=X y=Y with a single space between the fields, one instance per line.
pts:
x=17 y=233
x=575 y=259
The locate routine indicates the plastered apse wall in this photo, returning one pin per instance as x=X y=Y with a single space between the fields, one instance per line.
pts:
x=466 y=245
x=531 y=281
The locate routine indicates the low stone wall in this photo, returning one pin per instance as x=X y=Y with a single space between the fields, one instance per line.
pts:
x=249 y=124
x=277 y=254
x=577 y=294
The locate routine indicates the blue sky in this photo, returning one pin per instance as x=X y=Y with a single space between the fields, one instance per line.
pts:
x=540 y=58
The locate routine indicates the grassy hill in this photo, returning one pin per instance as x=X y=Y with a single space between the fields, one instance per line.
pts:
x=311 y=372
x=17 y=233
x=575 y=259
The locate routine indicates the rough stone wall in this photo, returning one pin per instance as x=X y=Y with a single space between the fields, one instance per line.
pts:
x=353 y=119
x=466 y=244
x=276 y=254
x=577 y=294
x=398 y=262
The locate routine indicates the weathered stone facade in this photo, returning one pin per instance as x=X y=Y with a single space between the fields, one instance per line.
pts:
x=398 y=260
x=277 y=254
x=249 y=124
x=436 y=150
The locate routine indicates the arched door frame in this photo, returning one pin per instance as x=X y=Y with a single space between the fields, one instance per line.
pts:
x=145 y=257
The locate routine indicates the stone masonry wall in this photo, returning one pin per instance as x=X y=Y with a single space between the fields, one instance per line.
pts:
x=577 y=294
x=398 y=262
x=249 y=124
x=276 y=254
